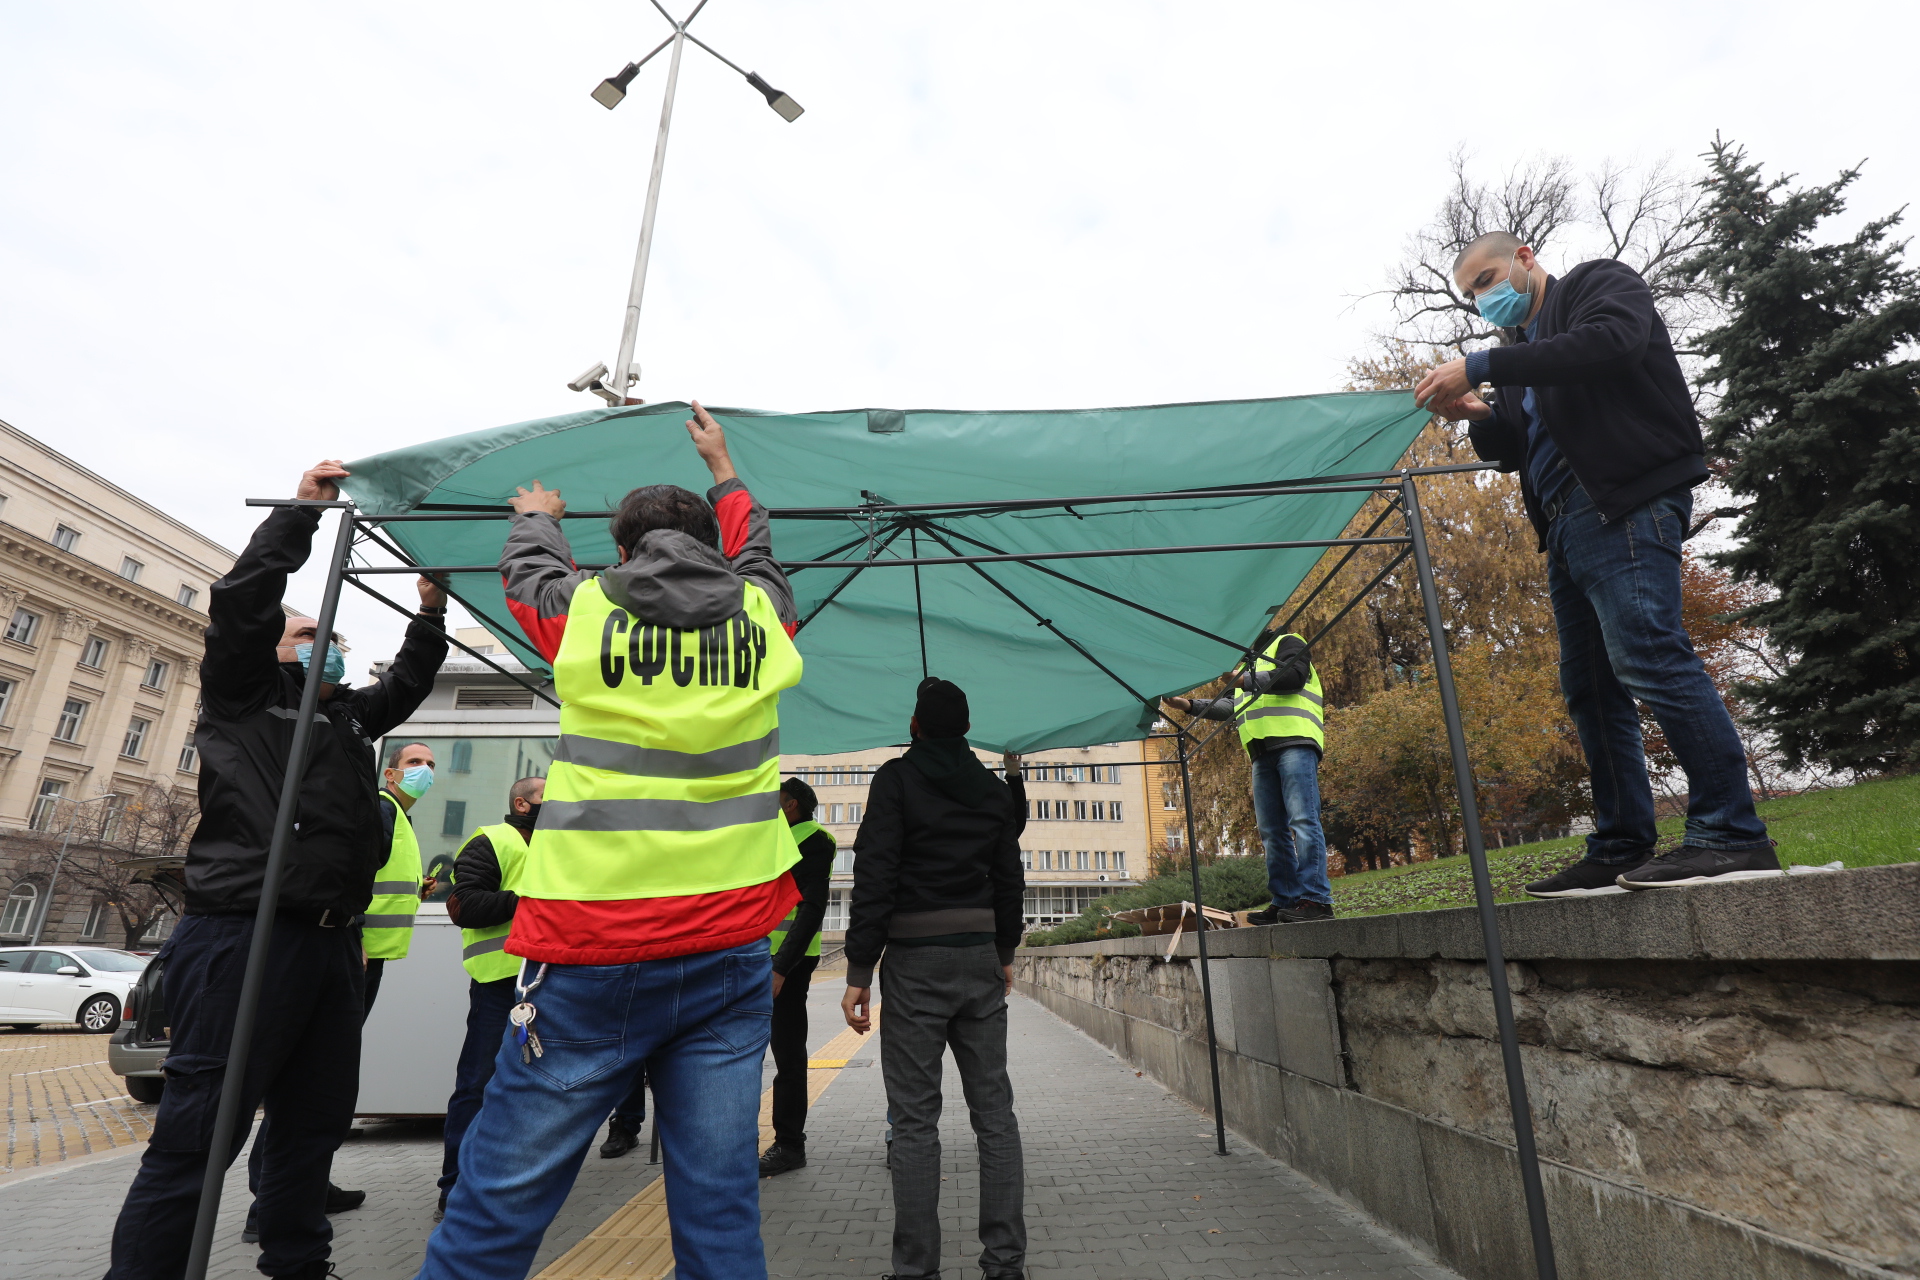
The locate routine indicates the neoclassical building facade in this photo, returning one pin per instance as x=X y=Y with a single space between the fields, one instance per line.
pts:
x=102 y=610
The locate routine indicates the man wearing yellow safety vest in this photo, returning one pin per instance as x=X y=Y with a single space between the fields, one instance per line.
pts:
x=1282 y=721
x=796 y=953
x=482 y=904
x=656 y=872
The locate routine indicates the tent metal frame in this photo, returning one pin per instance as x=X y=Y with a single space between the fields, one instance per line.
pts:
x=880 y=523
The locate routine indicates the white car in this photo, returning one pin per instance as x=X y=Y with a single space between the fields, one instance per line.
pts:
x=87 y=985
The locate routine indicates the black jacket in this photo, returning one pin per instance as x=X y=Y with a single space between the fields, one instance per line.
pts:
x=249 y=702
x=812 y=875
x=477 y=900
x=926 y=864
x=1608 y=388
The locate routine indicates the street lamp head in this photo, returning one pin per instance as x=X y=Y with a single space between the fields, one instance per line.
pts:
x=789 y=109
x=612 y=90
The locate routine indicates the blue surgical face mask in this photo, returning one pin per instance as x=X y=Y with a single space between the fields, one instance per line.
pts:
x=1503 y=305
x=335 y=668
x=415 y=780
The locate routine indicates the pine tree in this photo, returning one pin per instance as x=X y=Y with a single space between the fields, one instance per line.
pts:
x=1818 y=414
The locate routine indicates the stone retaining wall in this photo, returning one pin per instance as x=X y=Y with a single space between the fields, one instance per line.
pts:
x=1725 y=1081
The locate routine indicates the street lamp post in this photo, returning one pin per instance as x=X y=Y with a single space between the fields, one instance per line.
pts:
x=609 y=93
x=59 y=861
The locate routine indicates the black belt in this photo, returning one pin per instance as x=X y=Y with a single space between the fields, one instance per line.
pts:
x=1552 y=510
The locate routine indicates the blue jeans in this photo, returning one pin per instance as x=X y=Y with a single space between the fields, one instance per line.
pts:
x=1616 y=602
x=699 y=1024
x=1286 y=801
x=487 y=1005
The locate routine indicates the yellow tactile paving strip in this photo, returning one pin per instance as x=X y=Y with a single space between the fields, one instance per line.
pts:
x=635 y=1243
x=63 y=1102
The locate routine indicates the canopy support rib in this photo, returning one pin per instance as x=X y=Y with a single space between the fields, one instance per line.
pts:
x=498 y=631
x=840 y=586
x=1393 y=504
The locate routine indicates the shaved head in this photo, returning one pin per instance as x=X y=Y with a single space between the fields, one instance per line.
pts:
x=1502 y=243
x=528 y=789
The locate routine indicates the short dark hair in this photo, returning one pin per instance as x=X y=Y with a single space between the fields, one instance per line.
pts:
x=802 y=795
x=524 y=789
x=393 y=757
x=1502 y=241
x=663 y=506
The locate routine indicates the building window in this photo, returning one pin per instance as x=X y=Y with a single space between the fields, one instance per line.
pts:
x=454 y=821
x=156 y=677
x=1026 y=859
x=186 y=596
x=855 y=812
x=1169 y=795
x=1113 y=811
x=72 y=713
x=1099 y=859
x=843 y=862
x=1120 y=861
x=96 y=921
x=1080 y=810
x=24 y=626
x=833 y=812
x=1099 y=811
x=189 y=756
x=64 y=536
x=460 y=759
x=1043 y=809
x=158 y=928
x=136 y=740
x=836 y=917
x=96 y=652
x=6 y=696
x=130 y=569
x=1080 y=860
x=17 y=916
x=114 y=809
x=44 y=804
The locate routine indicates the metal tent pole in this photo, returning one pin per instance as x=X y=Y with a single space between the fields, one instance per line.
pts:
x=1483 y=896
x=630 y=328
x=1200 y=940
x=233 y=1081
x=919 y=611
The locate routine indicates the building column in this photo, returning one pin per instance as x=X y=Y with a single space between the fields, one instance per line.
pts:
x=116 y=708
x=58 y=653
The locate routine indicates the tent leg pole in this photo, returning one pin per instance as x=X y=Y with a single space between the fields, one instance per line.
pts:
x=1200 y=940
x=919 y=614
x=1483 y=895
x=233 y=1081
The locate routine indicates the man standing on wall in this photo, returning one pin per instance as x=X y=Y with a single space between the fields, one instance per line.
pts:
x=1591 y=408
x=796 y=953
x=1281 y=717
x=937 y=887
x=305 y=1064
x=656 y=872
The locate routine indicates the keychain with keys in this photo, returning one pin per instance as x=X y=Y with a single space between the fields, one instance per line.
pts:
x=523 y=1014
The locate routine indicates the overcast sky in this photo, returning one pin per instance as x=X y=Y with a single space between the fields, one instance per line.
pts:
x=235 y=238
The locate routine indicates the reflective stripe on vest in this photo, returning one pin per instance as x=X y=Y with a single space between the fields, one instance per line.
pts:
x=802 y=832
x=1299 y=714
x=482 y=951
x=387 y=930
x=667 y=779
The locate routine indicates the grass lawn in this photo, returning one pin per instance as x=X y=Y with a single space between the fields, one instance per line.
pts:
x=1869 y=824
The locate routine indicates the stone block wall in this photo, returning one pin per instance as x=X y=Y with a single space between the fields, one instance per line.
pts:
x=1710 y=1100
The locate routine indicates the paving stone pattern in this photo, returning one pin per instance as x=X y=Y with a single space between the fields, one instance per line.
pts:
x=61 y=1101
x=1113 y=1165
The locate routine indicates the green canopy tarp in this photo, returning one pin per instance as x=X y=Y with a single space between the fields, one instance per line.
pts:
x=1006 y=632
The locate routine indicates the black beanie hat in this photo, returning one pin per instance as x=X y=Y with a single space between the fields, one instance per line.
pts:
x=941 y=708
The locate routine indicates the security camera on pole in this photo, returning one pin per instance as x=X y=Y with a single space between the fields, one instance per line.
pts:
x=610 y=93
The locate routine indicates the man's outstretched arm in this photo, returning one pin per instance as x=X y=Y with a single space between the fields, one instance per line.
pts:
x=536 y=567
x=746 y=539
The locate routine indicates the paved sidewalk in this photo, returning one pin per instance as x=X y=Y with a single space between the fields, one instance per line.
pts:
x=61 y=1101
x=1122 y=1182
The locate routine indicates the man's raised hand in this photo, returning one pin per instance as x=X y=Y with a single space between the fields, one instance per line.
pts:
x=1445 y=393
x=432 y=594
x=539 y=499
x=317 y=482
x=710 y=439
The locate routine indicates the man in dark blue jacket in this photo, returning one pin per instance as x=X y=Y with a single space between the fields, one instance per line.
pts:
x=1591 y=408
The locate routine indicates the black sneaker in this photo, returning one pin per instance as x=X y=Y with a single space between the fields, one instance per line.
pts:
x=1585 y=879
x=618 y=1143
x=320 y=1269
x=1305 y=910
x=250 y=1232
x=440 y=1212
x=781 y=1158
x=1269 y=914
x=1693 y=864
x=339 y=1201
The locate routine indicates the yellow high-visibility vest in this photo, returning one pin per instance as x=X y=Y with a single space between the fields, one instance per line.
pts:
x=1283 y=715
x=666 y=778
x=388 y=929
x=802 y=832
x=482 y=951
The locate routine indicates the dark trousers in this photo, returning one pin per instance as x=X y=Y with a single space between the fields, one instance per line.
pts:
x=305 y=1066
x=939 y=998
x=632 y=1111
x=790 y=1055
x=487 y=1006
x=256 y=1159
